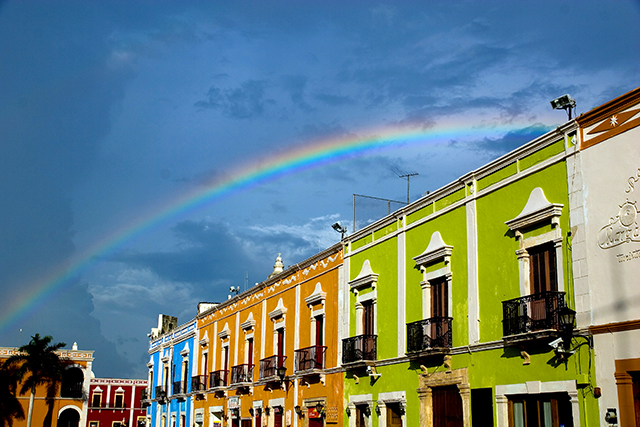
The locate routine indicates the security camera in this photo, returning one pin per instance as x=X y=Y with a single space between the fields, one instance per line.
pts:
x=555 y=343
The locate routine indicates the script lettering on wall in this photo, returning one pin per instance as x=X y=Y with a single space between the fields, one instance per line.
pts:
x=622 y=228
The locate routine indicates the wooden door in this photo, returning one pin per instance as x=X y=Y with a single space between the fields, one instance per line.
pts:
x=439 y=312
x=277 y=418
x=447 y=407
x=394 y=418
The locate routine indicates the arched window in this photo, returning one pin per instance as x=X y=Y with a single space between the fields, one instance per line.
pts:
x=72 y=380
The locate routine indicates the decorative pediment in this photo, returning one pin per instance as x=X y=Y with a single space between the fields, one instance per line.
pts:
x=119 y=390
x=537 y=209
x=279 y=311
x=205 y=340
x=436 y=250
x=97 y=390
x=165 y=357
x=225 y=332
x=150 y=363
x=185 y=350
x=317 y=296
x=249 y=323
x=366 y=277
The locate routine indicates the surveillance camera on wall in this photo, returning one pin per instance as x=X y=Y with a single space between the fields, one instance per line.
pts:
x=555 y=343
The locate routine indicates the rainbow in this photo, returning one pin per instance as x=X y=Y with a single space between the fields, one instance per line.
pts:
x=250 y=175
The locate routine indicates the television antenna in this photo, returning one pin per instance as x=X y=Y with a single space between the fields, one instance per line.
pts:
x=402 y=174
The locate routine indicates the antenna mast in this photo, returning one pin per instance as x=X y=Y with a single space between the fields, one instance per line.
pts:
x=408 y=176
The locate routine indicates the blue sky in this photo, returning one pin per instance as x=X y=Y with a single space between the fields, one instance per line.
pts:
x=109 y=110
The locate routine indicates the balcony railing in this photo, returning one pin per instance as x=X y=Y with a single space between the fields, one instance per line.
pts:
x=428 y=334
x=269 y=366
x=219 y=378
x=71 y=390
x=198 y=383
x=532 y=313
x=179 y=387
x=310 y=358
x=161 y=392
x=359 y=348
x=242 y=374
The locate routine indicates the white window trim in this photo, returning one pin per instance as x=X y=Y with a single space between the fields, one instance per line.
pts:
x=437 y=250
x=536 y=211
x=387 y=398
x=365 y=279
x=535 y=387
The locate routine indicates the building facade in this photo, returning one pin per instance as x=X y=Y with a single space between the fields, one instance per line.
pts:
x=605 y=188
x=68 y=407
x=270 y=357
x=455 y=303
x=115 y=402
x=170 y=369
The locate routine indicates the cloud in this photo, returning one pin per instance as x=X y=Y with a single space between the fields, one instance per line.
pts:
x=514 y=139
x=244 y=102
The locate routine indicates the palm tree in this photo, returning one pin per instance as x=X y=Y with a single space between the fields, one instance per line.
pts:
x=10 y=407
x=37 y=364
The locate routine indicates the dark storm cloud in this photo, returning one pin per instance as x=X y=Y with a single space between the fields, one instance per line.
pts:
x=57 y=95
x=207 y=253
x=498 y=146
x=244 y=102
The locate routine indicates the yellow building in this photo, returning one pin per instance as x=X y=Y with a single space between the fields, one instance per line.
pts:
x=270 y=357
x=68 y=408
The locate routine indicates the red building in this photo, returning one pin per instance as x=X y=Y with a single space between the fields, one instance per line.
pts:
x=115 y=402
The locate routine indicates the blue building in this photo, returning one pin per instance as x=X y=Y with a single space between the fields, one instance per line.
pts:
x=171 y=348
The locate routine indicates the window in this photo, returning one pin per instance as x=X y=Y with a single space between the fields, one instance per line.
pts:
x=542 y=268
x=542 y=410
x=93 y=423
x=368 y=318
x=280 y=346
x=250 y=351
x=205 y=360
x=141 y=422
x=439 y=298
x=394 y=415
x=96 y=399
x=119 y=401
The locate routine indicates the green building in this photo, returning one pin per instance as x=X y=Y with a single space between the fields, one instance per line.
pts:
x=453 y=306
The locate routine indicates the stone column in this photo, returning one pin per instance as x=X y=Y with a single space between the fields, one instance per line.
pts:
x=465 y=395
x=426 y=406
x=382 y=418
x=502 y=410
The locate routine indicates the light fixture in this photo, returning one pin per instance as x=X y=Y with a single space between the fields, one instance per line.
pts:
x=340 y=229
x=251 y=411
x=348 y=410
x=282 y=371
x=564 y=102
x=259 y=412
x=378 y=410
x=367 y=410
x=403 y=408
x=298 y=410
x=267 y=410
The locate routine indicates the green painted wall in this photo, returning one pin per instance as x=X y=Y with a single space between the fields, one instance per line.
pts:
x=498 y=280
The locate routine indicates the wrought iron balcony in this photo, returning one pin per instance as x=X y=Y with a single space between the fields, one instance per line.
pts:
x=269 y=366
x=428 y=334
x=161 y=392
x=71 y=390
x=179 y=387
x=219 y=378
x=242 y=374
x=359 y=348
x=532 y=313
x=310 y=358
x=198 y=383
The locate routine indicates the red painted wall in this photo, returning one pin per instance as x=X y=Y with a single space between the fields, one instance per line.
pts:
x=105 y=413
